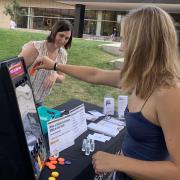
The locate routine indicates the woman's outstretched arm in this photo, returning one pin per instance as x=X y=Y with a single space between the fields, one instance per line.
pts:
x=83 y=73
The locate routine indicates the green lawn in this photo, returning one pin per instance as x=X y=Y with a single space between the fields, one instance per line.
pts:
x=83 y=52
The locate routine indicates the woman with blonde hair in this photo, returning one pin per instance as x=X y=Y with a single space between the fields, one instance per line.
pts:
x=151 y=72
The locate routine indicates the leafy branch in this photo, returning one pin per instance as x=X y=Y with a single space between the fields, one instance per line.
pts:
x=14 y=10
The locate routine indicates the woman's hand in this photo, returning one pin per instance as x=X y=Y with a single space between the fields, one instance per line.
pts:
x=44 y=63
x=50 y=80
x=104 y=162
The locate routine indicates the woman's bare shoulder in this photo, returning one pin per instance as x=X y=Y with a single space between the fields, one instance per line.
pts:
x=167 y=95
x=167 y=90
x=29 y=53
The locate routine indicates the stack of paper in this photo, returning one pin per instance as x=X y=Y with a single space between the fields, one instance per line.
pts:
x=103 y=129
x=90 y=117
x=96 y=113
x=112 y=126
x=98 y=137
x=115 y=121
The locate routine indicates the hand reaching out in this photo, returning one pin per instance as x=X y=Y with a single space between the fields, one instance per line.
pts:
x=44 y=63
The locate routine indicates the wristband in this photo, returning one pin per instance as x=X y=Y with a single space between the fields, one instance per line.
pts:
x=55 y=66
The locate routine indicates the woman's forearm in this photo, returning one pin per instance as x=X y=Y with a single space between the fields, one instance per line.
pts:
x=84 y=73
x=92 y=75
x=148 y=170
x=87 y=74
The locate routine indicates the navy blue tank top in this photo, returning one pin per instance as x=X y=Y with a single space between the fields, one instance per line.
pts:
x=143 y=140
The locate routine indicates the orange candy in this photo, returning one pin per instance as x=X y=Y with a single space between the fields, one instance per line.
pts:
x=61 y=162
x=52 y=167
x=61 y=159
x=53 y=162
x=52 y=158
x=32 y=71
x=47 y=164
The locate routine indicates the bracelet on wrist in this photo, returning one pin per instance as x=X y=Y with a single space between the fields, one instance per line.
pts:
x=55 y=66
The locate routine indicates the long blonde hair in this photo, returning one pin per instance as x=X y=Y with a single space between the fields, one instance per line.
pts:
x=151 y=53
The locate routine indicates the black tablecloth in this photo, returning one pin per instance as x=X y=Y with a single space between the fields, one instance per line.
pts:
x=81 y=167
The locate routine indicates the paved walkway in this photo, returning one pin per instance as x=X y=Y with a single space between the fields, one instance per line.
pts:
x=112 y=48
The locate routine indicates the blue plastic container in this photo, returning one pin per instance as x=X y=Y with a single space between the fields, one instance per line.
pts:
x=45 y=115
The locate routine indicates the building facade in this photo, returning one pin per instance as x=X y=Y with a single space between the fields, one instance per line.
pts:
x=99 y=17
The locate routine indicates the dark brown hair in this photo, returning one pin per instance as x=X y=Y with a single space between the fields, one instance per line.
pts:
x=60 y=26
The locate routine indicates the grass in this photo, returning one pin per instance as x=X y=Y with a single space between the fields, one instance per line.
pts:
x=82 y=52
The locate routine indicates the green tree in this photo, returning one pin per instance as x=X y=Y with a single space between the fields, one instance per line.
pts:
x=14 y=10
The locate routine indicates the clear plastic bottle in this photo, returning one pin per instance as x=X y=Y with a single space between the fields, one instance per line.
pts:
x=88 y=147
x=92 y=145
x=84 y=144
x=88 y=140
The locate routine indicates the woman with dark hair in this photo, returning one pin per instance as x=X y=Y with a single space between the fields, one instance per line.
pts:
x=54 y=47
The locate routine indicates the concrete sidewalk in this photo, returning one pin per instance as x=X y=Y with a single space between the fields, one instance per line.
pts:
x=113 y=49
